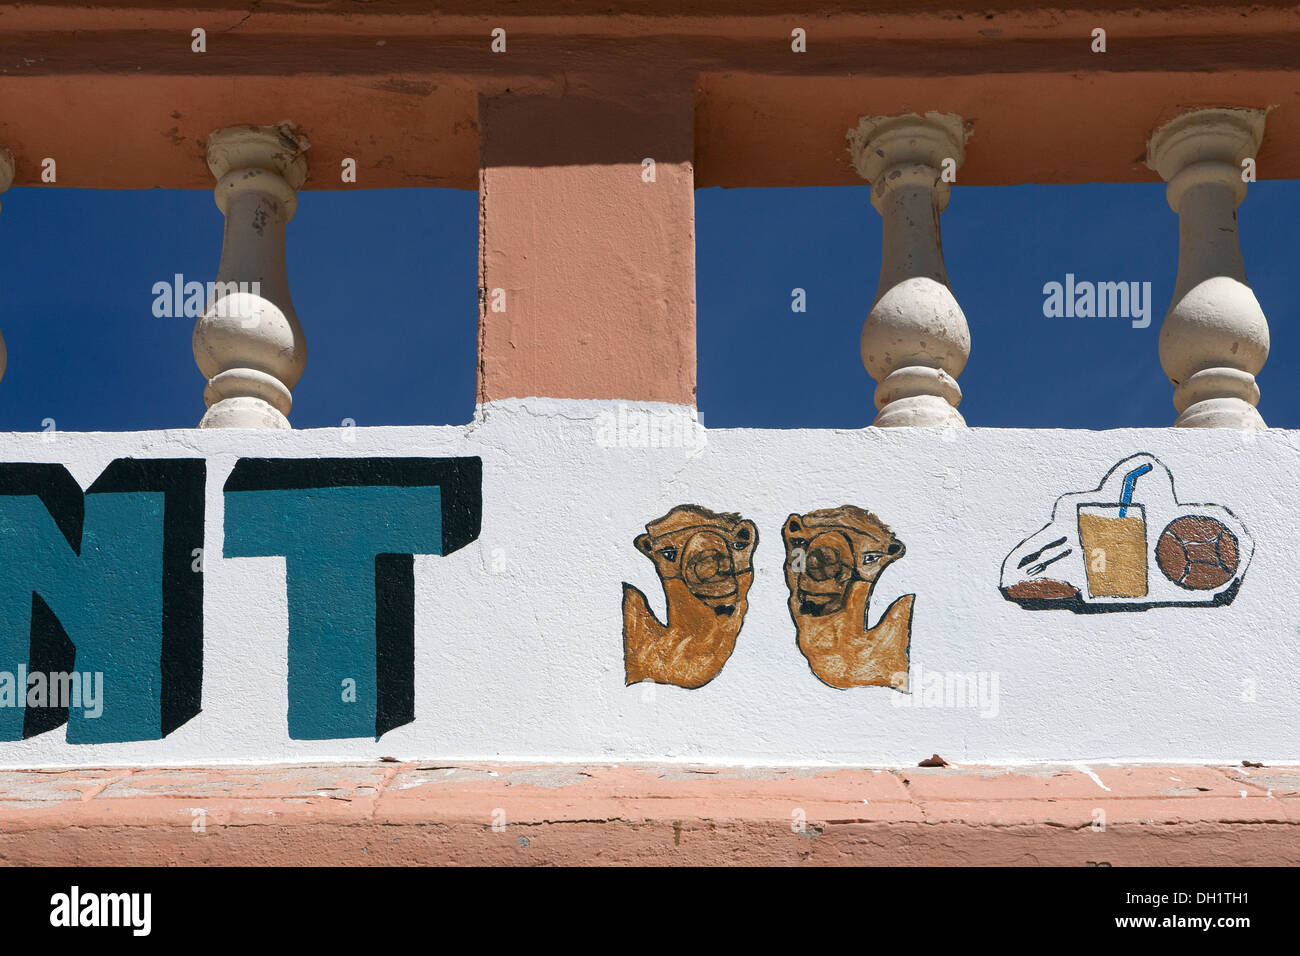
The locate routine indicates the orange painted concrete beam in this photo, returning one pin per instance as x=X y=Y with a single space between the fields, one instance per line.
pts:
x=587 y=256
x=115 y=94
x=413 y=813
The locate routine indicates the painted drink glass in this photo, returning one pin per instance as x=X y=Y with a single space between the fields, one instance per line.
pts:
x=1114 y=541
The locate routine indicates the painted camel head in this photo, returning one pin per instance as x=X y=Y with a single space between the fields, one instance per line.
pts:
x=833 y=559
x=705 y=563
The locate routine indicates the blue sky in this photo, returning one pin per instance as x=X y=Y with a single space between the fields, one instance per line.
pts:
x=85 y=350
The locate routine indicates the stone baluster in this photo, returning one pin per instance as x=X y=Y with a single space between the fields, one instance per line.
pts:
x=915 y=341
x=1214 y=339
x=248 y=343
x=6 y=169
x=6 y=180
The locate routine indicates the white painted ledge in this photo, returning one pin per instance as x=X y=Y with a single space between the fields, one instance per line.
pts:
x=518 y=635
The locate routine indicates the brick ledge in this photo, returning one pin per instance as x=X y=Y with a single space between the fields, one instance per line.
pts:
x=460 y=813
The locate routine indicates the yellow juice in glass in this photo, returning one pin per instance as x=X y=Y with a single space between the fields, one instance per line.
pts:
x=1114 y=549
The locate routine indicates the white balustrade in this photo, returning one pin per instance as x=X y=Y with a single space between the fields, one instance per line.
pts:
x=915 y=341
x=249 y=343
x=1214 y=339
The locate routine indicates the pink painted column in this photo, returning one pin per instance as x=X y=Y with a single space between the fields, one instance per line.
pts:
x=587 y=248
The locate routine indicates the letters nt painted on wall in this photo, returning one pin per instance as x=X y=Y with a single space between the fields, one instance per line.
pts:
x=106 y=582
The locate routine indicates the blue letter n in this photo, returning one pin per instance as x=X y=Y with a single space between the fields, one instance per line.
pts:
x=104 y=583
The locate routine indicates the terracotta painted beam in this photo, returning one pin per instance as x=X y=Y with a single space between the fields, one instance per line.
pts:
x=117 y=96
x=421 y=814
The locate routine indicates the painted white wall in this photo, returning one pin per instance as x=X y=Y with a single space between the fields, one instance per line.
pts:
x=518 y=635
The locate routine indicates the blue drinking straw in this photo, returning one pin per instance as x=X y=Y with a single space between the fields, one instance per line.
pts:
x=1126 y=498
